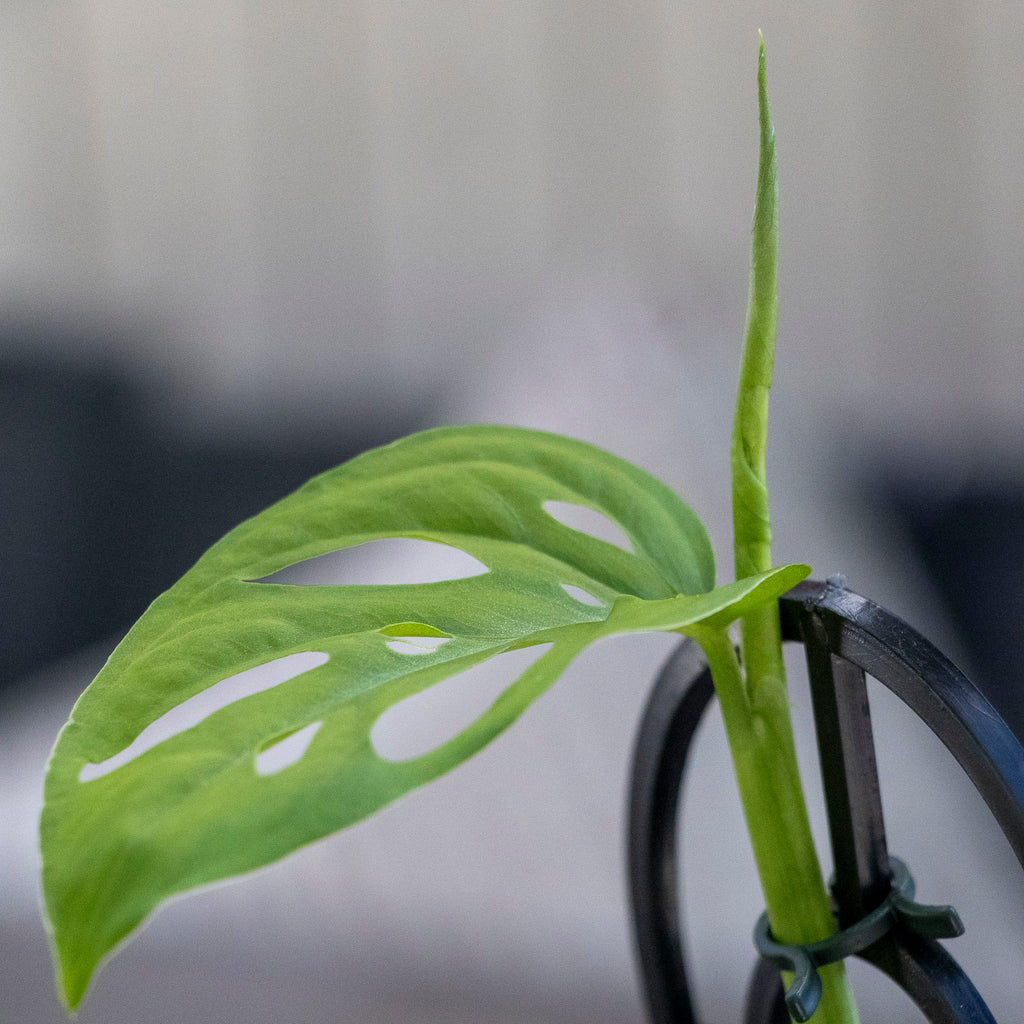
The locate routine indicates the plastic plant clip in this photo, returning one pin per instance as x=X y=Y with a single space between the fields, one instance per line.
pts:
x=804 y=992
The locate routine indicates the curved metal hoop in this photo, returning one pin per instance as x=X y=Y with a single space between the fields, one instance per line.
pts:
x=844 y=636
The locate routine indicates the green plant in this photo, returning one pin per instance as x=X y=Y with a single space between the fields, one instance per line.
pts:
x=127 y=824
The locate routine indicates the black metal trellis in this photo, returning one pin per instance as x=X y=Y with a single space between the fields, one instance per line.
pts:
x=844 y=636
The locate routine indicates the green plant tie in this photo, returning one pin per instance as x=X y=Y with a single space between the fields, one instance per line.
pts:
x=898 y=908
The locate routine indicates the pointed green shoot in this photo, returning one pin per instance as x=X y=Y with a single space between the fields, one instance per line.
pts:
x=754 y=699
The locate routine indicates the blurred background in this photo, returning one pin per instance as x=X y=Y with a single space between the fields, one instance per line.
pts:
x=241 y=241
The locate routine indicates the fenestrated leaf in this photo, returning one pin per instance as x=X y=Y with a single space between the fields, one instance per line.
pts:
x=119 y=837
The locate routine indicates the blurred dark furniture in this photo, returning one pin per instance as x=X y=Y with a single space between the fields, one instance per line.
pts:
x=970 y=544
x=102 y=508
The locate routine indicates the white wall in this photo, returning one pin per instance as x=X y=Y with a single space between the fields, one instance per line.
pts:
x=319 y=194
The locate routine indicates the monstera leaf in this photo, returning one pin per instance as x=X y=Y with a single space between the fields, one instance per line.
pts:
x=130 y=820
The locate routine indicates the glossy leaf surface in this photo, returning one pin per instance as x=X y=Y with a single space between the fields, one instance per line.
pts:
x=123 y=830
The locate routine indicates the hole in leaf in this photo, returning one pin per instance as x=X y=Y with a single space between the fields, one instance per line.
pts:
x=583 y=596
x=390 y=561
x=416 y=644
x=191 y=712
x=414 y=637
x=283 y=753
x=587 y=520
x=425 y=721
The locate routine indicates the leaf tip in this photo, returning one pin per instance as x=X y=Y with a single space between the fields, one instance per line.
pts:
x=73 y=968
x=762 y=88
x=71 y=989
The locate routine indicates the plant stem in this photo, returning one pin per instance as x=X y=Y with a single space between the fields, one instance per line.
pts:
x=760 y=738
x=753 y=698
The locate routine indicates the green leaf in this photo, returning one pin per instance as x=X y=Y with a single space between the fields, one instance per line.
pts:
x=122 y=833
